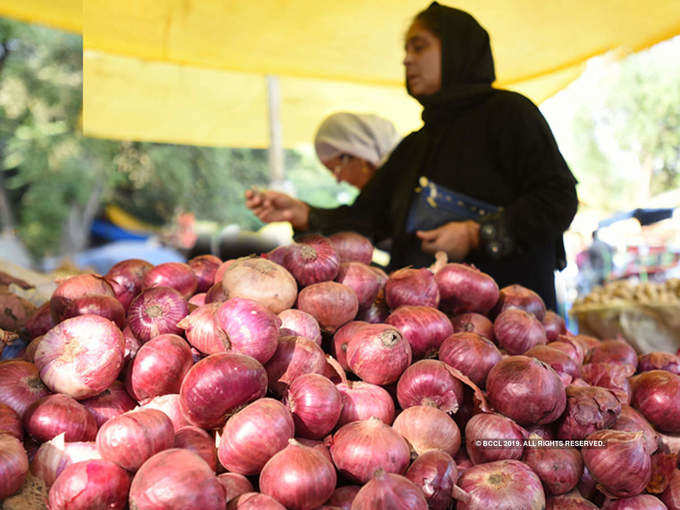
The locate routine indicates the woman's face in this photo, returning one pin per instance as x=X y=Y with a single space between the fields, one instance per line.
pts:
x=351 y=169
x=423 y=61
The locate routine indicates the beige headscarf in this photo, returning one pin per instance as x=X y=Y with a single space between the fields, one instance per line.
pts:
x=365 y=136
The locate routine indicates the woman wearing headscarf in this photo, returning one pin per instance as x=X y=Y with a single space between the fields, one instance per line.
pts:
x=482 y=180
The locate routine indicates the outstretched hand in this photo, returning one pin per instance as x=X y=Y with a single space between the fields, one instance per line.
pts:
x=456 y=238
x=271 y=206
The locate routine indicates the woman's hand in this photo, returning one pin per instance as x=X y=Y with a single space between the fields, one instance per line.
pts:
x=272 y=206
x=457 y=239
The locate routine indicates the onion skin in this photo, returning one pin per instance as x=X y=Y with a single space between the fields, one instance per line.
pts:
x=312 y=260
x=54 y=414
x=656 y=394
x=587 y=343
x=554 y=325
x=198 y=441
x=472 y=323
x=159 y=367
x=464 y=288
x=20 y=385
x=629 y=420
x=10 y=422
x=613 y=376
x=526 y=390
x=388 y=491
x=156 y=311
x=332 y=304
x=255 y=501
x=571 y=501
x=90 y=485
x=309 y=481
x=361 y=401
x=342 y=338
x=132 y=345
x=316 y=405
x=517 y=331
x=613 y=351
x=492 y=426
x=40 y=322
x=517 y=296
x=126 y=278
x=294 y=356
x=176 y=275
x=435 y=473
x=408 y=286
x=589 y=408
x=15 y=311
x=352 y=247
x=428 y=382
x=298 y=323
x=202 y=330
x=112 y=402
x=560 y=469
x=254 y=435
x=131 y=438
x=234 y=485
x=250 y=328
x=376 y=313
x=560 y=362
x=198 y=299
x=216 y=294
x=219 y=384
x=378 y=354
x=70 y=290
x=427 y=428
x=671 y=496
x=344 y=496
x=104 y=306
x=13 y=465
x=659 y=361
x=622 y=467
x=261 y=280
x=54 y=456
x=176 y=479
x=501 y=485
x=169 y=404
x=360 y=448
x=364 y=280
x=570 y=347
x=204 y=268
x=278 y=254
x=423 y=327
x=641 y=502
x=470 y=353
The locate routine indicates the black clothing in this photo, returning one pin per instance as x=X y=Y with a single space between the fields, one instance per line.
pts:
x=490 y=144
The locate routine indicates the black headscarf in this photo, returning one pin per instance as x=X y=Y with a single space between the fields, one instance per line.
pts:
x=467 y=63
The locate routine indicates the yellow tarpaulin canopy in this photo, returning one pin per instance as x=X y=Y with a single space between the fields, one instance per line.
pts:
x=191 y=71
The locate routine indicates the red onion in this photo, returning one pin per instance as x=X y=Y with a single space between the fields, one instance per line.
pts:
x=376 y=313
x=542 y=431
x=378 y=354
x=203 y=331
x=104 y=306
x=409 y=286
x=656 y=394
x=54 y=414
x=490 y=437
x=361 y=447
x=40 y=322
x=204 y=267
x=571 y=348
x=613 y=376
x=332 y=304
x=260 y=280
x=352 y=247
x=589 y=408
x=526 y=390
x=641 y=502
x=176 y=275
x=10 y=422
x=587 y=343
x=361 y=401
x=517 y=331
x=663 y=466
x=429 y=382
x=427 y=428
x=219 y=384
x=13 y=465
x=516 y=296
x=464 y=288
x=659 y=361
x=55 y=455
x=255 y=501
x=613 y=351
x=312 y=260
x=131 y=438
x=472 y=323
x=198 y=299
x=309 y=478
x=169 y=404
x=72 y=289
x=344 y=496
x=588 y=487
x=622 y=466
x=554 y=325
x=341 y=340
x=198 y=441
x=435 y=473
x=126 y=279
x=29 y=353
x=559 y=469
x=81 y=357
x=90 y=484
x=299 y=323
x=560 y=362
x=501 y=485
x=671 y=496
x=364 y=280
x=470 y=353
x=278 y=254
x=571 y=501
x=387 y=491
x=250 y=328
x=423 y=327
x=234 y=485
x=20 y=385
x=156 y=311
x=630 y=420
x=253 y=435
x=315 y=404
x=318 y=445
x=220 y=270
x=176 y=479
x=132 y=344
x=294 y=356
x=112 y=402
x=216 y=294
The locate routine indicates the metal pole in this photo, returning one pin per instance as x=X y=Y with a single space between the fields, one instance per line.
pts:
x=276 y=169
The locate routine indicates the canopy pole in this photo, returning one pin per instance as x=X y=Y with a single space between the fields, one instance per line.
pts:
x=276 y=169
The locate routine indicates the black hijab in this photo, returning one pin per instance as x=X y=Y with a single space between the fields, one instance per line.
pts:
x=467 y=62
